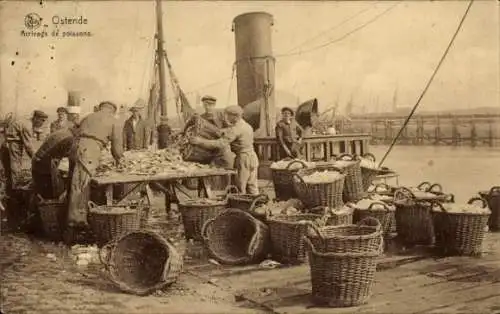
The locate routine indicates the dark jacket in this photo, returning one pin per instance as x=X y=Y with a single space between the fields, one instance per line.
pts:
x=138 y=137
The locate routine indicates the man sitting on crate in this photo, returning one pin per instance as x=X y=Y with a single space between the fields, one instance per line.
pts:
x=239 y=135
x=95 y=132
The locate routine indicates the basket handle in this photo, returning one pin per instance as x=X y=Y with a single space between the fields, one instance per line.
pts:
x=437 y=204
x=369 y=156
x=262 y=198
x=383 y=185
x=301 y=181
x=450 y=198
x=483 y=202
x=403 y=194
x=384 y=205
x=424 y=186
x=316 y=229
x=494 y=190
x=433 y=187
x=39 y=197
x=105 y=253
x=92 y=205
x=204 y=229
x=370 y=222
x=296 y=161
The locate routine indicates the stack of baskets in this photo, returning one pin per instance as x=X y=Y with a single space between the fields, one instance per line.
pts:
x=109 y=222
x=493 y=198
x=282 y=180
x=458 y=231
x=235 y=237
x=326 y=193
x=343 y=261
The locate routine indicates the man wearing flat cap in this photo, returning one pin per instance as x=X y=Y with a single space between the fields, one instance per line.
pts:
x=239 y=135
x=62 y=121
x=136 y=133
x=289 y=135
x=95 y=132
x=212 y=115
x=17 y=146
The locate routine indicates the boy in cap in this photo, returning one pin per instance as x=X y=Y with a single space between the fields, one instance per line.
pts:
x=95 y=131
x=239 y=135
x=37 y=122
x=289 y=134
x=211 y=114
x=62 y=120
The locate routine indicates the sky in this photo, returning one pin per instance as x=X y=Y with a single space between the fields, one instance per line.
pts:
x=359 y=50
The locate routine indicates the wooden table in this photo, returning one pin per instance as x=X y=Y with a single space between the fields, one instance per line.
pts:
x=167 y=182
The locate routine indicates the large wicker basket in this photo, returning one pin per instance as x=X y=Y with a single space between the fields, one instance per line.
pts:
x=353 y=184
x=141 y=262
x=109 y=222
x=383 y=212
x=196 y=212
x=235 y=237
x=327 y=194
x=282 y=180
x=414 y=223
x=51 y=214
x=342 y=279
x=362 y=237
x=460 y=233
x=493 y=198
x=287 y=236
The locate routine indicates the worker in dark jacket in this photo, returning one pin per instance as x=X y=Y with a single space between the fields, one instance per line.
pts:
x=95 y=131
x=289 y=135
x=136 y=132
x=47 y=180
x=212 y=115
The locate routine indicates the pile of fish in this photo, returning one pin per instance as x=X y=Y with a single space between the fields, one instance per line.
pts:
x=322 y=177
x=148 y=163
x=366 y=203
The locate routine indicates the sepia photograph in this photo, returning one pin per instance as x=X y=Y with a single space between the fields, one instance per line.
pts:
x=249 y=156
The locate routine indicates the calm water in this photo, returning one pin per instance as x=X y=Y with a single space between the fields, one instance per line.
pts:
x=462 y=171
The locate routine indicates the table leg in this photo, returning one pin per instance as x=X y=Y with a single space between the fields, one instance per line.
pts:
x=205 y=189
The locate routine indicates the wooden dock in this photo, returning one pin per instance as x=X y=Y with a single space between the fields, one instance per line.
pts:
x=406 y=282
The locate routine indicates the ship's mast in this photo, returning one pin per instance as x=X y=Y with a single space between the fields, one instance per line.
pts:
x=160 y=54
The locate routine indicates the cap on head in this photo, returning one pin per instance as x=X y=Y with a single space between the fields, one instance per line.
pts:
x=61 y=109
x=209 y=99
x=108 y=104
x=38 y=114
x=234 y=111
x=287 y=109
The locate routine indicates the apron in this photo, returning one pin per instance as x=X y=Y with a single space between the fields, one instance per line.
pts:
x=84 y=156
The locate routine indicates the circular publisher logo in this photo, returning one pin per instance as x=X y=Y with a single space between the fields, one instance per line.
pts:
x=32 y=21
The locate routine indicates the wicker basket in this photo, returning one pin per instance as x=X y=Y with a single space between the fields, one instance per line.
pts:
x=353 y=184
x=493 y=199
x=283 y=183
x=287 y=236
x=51 y=214
x=327 y=194
x=368 y=174
x=336 y=217
x=362 y=237
x=381 y=211
x=234 y=237
x=414 y=223
x=460 y=233
x=141 y=262
x=244 y=202
x=196 y=212
x=107 y=224
x=342 y=279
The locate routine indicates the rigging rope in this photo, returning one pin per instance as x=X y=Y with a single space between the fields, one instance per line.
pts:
x=231 y=84
x=428 y=83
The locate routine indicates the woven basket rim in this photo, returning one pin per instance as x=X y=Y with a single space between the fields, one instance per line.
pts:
x=367 y=254
x=157 y=286
x=100 y=211
x=194 y=204
x=277 y=218
x=461 y=214
x=374 y=234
